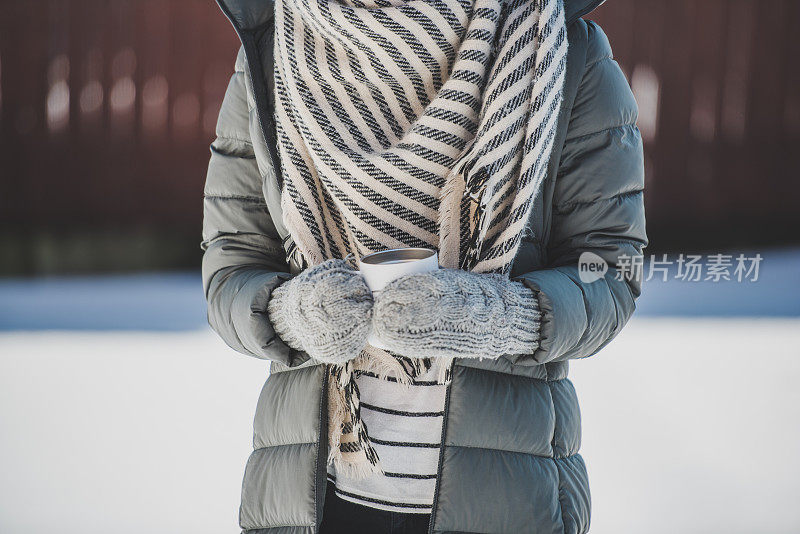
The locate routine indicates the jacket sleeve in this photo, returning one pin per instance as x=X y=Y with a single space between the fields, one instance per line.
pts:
x=243 y=257
x=597 y=208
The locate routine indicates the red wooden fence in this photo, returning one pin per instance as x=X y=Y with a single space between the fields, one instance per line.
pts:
x=107 y=108
x=718 y=84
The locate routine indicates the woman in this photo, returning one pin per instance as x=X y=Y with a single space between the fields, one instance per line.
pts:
x=499 y=133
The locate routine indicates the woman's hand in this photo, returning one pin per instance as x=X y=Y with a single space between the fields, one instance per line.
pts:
x=325 y=311
x=452 y=312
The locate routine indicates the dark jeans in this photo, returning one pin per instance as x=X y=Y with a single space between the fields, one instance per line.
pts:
x=340 y=516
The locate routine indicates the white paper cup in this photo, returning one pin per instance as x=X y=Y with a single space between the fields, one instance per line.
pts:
x=380 y=268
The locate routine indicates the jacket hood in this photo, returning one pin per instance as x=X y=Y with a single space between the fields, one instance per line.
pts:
x=250 y=14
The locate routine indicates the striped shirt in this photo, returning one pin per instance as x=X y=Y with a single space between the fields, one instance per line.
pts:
x=405 y=427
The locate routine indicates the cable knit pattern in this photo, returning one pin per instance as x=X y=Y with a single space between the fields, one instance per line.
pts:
x=325 y=311
x=457 y=313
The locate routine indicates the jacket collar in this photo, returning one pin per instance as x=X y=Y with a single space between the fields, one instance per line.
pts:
x=251 y=14
x=575 y=9
x=247 y=14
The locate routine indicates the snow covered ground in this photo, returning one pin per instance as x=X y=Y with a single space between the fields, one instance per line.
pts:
x=120 y=410
x=693 y=426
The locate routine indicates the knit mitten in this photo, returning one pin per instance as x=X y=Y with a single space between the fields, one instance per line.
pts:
x=457 y=313
x=325 y=311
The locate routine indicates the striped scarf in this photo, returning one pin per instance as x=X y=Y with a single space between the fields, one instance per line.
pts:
x=412 y=123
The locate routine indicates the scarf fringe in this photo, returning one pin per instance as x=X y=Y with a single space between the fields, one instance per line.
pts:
x=444 y=374
x=450 y=199
x=363 y=461
x=384 y=365
x=354 y=470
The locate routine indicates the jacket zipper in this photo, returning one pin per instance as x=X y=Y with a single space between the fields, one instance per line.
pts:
x=445 y=418
x=260 y=94
x=321 y=478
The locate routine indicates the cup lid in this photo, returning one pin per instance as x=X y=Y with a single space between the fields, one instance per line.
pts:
x=394 y=255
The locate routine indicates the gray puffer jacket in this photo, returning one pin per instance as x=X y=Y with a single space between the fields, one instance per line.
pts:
x=509 y=459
